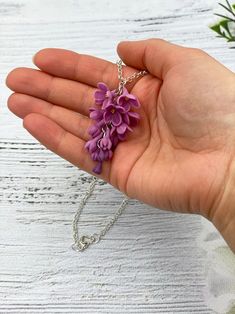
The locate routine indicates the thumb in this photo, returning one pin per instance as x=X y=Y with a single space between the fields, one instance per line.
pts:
x=157 y=56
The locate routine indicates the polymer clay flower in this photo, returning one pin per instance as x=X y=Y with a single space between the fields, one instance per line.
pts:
x=113 y=118
x=113 y=114
x=127 y=100
x=103 y=95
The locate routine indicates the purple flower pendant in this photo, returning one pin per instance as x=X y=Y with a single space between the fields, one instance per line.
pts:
x=113 y=119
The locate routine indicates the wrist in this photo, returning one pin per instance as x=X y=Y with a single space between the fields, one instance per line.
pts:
x=223 y=214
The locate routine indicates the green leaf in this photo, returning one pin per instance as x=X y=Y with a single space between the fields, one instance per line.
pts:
x=224 y=24
x=225 y=17
x=222 y=27
x=229 y=5
x=216 y=28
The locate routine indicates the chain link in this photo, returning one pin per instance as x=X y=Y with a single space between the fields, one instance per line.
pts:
x=84 y=241
x=123 y=81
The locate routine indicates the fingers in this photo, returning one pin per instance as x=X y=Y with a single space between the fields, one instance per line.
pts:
x=155 y=55
x=70 y=94
x=73 y=122
x=78 y=67
x=61 y=142
x=63 y=90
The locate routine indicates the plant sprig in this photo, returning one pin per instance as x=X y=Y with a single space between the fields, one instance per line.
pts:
x=223 y=27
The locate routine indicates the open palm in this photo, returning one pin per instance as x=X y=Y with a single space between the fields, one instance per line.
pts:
x=178 y=156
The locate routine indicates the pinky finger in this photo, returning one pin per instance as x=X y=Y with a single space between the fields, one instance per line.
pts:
x=61 y=142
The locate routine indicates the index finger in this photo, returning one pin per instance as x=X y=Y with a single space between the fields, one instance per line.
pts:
x=80 y=67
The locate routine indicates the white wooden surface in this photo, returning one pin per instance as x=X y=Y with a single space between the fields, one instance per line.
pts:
x=149 y=262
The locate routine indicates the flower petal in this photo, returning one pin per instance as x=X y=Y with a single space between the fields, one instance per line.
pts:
x=124 y=103
x=125 y=118
x=96 y=114
x=121 y=137
x=112 y=130
x=91 y=145
x=105 y=143
x=134 y=115
x=121 y=129
x=124 y=91
x=131 y=96
x=130 y=129
x=99 y=95
x=101 y=155
x=102 y=86
x=109 y=94
x=116 y=118
x=98 y=168
x=108 y=116
x=94 y=130
x=126 y=106
x=107 y=155
x=92 y=109
x=107 y=103
x=120 y=109
x=115 y=140
x=94 y=156
x=120 y=100
x=134 y=102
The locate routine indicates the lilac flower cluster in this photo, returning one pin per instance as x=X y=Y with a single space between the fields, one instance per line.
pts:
x=113 y=118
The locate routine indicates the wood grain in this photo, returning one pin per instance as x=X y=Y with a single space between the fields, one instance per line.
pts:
x=148 y=262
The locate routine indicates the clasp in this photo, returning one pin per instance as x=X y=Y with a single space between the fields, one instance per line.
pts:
x=83 y=243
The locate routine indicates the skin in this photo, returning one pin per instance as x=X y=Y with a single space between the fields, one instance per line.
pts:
x=180 y=156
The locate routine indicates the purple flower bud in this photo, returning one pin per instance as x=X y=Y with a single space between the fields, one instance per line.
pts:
x=94 y=130
x=98 y=168
x=96 y=114
x=91 y=145
x=105 y=143
x=102 y=156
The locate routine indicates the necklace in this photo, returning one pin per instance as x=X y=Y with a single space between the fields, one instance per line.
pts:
x=113 y=119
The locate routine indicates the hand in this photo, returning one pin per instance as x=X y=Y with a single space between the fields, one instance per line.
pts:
x=180 y=157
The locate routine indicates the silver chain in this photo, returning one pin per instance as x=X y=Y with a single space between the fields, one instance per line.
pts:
x=129 y=79
x=84 y=241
